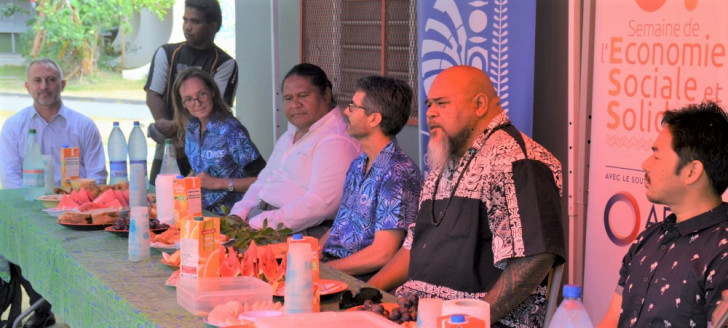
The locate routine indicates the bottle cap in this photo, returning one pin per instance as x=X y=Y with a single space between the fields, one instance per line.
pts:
x=572 y=291
x=199 y=218
x=297 y=236
x=31 y=131
x=116 y=123
x=457 y=318
x=136 y=122
x=167 y=141
x=180 y=177
x=64 y=146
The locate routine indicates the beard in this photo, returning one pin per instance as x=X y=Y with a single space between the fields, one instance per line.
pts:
x=442 y=147
x=438 y=152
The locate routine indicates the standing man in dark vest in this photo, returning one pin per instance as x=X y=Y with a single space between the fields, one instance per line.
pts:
x=202 y=20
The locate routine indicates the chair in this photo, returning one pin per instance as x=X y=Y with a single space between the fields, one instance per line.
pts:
x=552 y=292
x=18 y=322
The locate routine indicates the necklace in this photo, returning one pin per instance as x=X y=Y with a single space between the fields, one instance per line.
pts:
x=471 y=152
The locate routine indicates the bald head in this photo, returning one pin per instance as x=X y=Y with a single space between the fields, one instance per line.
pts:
x=466 y=80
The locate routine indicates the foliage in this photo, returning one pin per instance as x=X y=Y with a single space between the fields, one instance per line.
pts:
x=243 y=234
x=11 y=8
x=72 y=31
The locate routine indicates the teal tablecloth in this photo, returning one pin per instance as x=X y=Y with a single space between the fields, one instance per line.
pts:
x=88 y=279
x=85 y=274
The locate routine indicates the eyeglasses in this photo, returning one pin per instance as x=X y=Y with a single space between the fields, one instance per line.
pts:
x=353 y=105
x=203 y=96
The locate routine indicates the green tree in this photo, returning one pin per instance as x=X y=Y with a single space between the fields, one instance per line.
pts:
x=71 y=31
x=11 y=8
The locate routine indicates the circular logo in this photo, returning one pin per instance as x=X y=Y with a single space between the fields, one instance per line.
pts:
x=631 y=202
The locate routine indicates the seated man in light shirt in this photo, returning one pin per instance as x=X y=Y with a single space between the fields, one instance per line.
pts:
x=56 y=125
x=302 y=182
x=382 y=187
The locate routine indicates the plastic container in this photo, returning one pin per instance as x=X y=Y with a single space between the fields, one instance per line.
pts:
x=139 y=234
x=571 y=313
x=49 y=185
x=169 y=161
x=299 y=291
x=164 y=189
x=348 y=319
x=200 y=296
x=138 y=149
x=117 y=155
x=32 y=169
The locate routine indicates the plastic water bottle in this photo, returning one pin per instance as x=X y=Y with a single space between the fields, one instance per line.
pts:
x=138 y=148
x=117 y=155
x=169 y=161
x=32 y=169
x=571 y=313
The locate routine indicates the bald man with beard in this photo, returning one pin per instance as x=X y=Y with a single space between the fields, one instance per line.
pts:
x=489 y=221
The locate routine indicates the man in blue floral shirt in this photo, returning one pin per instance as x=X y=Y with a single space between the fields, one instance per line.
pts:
x=382 y=187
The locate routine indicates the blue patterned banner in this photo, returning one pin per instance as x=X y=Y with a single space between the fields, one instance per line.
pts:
x=496 y=36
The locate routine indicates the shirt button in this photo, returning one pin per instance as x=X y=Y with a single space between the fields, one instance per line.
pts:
x=634 y=313
x=646 y=279
x=663 y=247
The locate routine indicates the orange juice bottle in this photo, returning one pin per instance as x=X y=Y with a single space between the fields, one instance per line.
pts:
x=187 y=198
x=70 y=165
x=199 y=249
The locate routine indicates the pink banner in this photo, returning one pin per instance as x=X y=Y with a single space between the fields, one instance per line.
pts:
x=648 y=56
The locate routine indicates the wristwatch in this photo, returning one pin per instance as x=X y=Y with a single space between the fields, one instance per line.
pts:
x=231 y=188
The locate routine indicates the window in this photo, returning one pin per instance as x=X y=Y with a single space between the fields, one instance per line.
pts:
x=354 y=38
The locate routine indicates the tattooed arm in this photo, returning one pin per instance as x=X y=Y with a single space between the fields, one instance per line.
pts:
x=519 y=279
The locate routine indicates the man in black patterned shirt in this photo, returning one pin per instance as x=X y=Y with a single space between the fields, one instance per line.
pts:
x=489 y=222
x=674 y=272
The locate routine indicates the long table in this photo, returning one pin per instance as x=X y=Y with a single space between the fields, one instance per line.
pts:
x=88 y=279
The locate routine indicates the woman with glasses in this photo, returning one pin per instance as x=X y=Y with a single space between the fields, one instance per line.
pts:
x=218 y=146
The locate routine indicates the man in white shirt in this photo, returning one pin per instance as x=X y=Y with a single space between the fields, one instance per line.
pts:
x=302 y=183
x=56 y=125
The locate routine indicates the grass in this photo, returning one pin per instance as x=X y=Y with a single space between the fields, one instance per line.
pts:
x=102 y=84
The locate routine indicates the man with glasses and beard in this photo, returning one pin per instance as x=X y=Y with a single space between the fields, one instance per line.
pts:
x=489 y=222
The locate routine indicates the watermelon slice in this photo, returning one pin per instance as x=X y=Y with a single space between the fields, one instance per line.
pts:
x=85 y=194
x=229 y=264
x=89 y=206
x=78 y=198
x=250 y=261
x=105 y=197
x=120 y=197
x=268 y=265
x=67 y=203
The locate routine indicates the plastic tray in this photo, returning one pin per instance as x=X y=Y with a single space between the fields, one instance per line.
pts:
x=200 y=296
x=357 y=319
